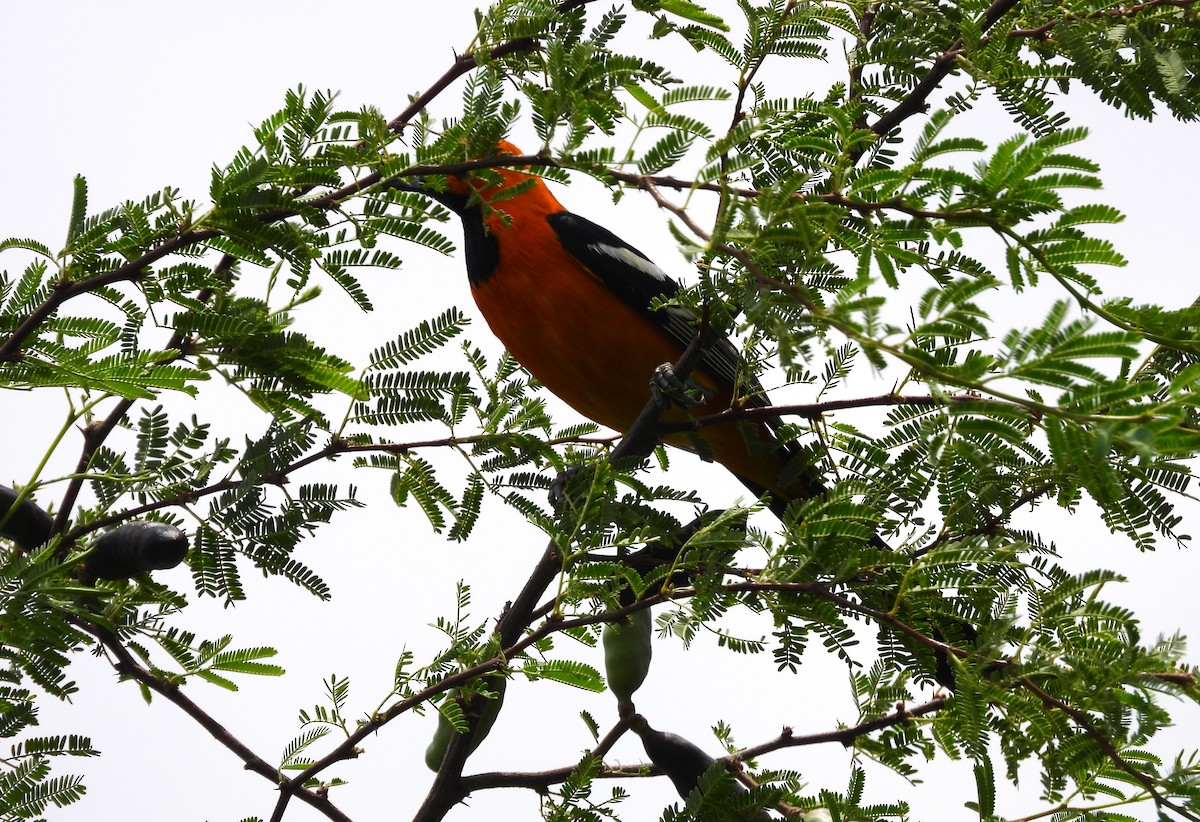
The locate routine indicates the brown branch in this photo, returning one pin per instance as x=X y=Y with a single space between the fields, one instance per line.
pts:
x=916 y=100
x=65 y=290
x=819 y=590
x=994 y=522
x=645 y=181
x=844 y=736
x=93 y=437
x=542 y=780
x=127 y=666
x=817 y=410
x=348 y=748
x=745 y=79
x=463 y=64
x=1182 y=679
x=648 y=185
x=280 y=476
x=1084 y=721
x=1042 y=32
x=865 y=23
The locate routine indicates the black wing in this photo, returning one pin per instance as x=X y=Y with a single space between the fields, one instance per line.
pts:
x=633 y=277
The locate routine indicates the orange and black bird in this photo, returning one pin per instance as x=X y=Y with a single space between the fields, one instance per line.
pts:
x=573 y=303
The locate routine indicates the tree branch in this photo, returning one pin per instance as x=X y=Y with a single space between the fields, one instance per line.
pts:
x=1083 y=720
x=463 y=64
x=1042 y=32
x=542 y=780
x=915 y=101
x=127 y=666
x=646 y=181
x=817 y=410
x=10 y=349
x=865 y=23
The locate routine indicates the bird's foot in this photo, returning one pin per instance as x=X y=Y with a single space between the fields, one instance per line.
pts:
x=667 y=389
x=564 y=486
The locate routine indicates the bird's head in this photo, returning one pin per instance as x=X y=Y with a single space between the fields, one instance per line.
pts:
x=533 y=195
x=463 y=184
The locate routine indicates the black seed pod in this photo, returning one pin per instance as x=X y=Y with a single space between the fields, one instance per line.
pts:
x=27 y=525
x=136 y=547
x=682 y=762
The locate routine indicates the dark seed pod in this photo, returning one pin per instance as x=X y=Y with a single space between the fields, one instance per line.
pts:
x=27 y=525
x=136 y=547
x=682 y=762
x=962 y=634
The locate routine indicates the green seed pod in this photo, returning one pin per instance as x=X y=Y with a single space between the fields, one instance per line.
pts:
x=627 y=652
x=482 y=722
x=436 y=750
x=27 y=525
x=136 y=547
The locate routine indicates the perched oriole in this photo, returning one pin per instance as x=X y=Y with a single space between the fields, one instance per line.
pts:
x=572 y=302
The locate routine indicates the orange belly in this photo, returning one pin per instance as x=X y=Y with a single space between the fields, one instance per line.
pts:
x=597 y=354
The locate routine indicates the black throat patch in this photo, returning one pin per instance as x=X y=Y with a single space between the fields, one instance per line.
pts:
x=480 y=248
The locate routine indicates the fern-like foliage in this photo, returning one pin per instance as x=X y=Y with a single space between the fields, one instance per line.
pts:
x=849 y=247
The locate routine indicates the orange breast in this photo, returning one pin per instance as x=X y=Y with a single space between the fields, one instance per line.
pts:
x=588 y=347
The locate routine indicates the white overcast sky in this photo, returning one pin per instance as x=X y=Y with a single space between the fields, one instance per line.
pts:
x=140 y=95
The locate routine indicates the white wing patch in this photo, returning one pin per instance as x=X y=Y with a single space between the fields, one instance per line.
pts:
x=631 y=259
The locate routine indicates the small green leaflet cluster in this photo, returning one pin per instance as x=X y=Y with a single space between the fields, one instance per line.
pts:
x=36 y=636
x=26 y=787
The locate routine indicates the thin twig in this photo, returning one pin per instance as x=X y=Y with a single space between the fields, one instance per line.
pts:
x=1084 y=721
x=65 y=290
x=865 y=23
x=1042 y=32
x=916 y=100
x=817 y=410
x=127 y=666
x=463 y=64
